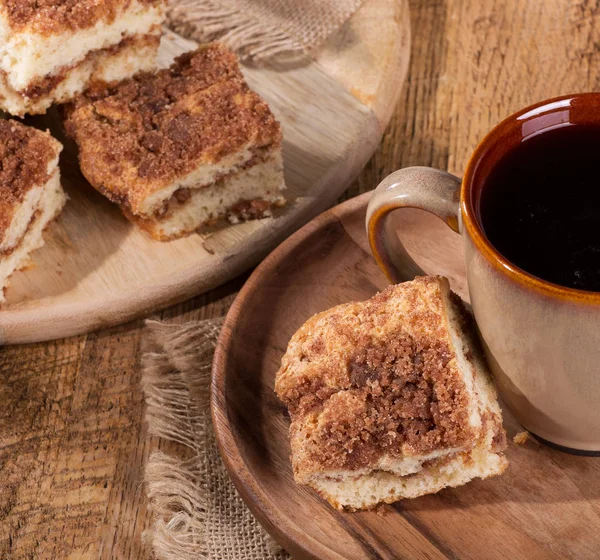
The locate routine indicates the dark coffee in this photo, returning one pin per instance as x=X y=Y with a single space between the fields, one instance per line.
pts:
x=540 y=206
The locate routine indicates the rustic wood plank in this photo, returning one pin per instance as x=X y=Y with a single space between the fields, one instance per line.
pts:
x=73 y=443
x=72 y=449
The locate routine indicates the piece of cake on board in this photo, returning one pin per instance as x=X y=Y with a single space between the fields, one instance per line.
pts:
x=182 y=147
x=31 y=195
x=50 y=51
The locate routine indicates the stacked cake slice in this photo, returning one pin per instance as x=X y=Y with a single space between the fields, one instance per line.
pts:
x=50 y=51
x=30 y=193
x=182 y=147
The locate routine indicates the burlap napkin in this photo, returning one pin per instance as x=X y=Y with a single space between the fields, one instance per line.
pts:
x=196 y=511
x=261 y=29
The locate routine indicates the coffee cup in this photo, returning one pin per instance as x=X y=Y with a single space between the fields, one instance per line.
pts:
x=541 y=339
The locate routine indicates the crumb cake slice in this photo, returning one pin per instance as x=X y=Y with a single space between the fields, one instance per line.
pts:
x=31 y=195
x=390 y=398
x=182 y=147
x=50 y=51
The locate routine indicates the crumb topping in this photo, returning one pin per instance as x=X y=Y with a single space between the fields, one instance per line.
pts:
x=375 y=378
x=138 y=136
x=56 y=16
x=25 y=154
x=401 y=396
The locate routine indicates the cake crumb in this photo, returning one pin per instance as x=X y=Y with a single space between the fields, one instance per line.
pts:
x=521 y=438
x=381 y=510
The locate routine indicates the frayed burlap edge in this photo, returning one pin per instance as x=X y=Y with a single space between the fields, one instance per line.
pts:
x=196 y=512
x=209 y=20
x=257 y=31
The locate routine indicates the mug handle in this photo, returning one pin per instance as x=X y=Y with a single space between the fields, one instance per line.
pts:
x=429 y=189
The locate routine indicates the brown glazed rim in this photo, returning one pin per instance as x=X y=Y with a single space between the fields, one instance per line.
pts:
x=470 y=216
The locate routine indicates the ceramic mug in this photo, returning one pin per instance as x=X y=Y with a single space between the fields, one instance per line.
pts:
x=542 y=341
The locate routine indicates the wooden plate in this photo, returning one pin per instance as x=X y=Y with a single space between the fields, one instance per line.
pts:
x=97 y=270
x=546 y=505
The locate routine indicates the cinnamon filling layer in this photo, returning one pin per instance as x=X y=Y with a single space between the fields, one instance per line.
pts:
x=183 y=195
x=432 y=463
x=251 y=209
x=243 y=210
x=44 y=86
x=34 y=217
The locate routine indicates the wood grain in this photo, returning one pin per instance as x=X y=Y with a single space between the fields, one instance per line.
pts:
x=73 y=442
x=472 y=63
x=97 y=270
x=547 y=505
x=370 y=70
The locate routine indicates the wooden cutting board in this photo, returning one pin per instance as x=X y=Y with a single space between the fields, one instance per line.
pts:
x=545 y=506
x=98 y=270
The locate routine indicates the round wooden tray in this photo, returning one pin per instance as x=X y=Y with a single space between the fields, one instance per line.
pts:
x=546 y=505
x=97 y=270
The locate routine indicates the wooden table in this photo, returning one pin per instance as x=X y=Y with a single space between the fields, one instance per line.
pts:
x=72 y=440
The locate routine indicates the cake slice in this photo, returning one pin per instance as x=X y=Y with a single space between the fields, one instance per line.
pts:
x=50 y=51
x=31 y=195
x=183 y=147
x=390 y=398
